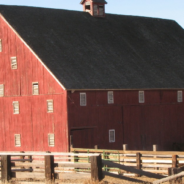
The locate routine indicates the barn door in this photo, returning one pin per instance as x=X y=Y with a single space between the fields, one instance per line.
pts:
x=83 y=138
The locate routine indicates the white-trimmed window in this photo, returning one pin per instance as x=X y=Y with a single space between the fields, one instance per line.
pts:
x=112 y=135
x=83 y=101
x=87 y=6
x=15 y=107
x=51 y=140
x=17 y=140
x=50 y=107
x=13 y=63
x=1 y=90
x=35 y=88
x=110 y=97
x=180 y=96
x=141 y=97
x=1 y=48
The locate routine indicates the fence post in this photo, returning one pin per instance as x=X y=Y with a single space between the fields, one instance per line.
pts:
x=49 y=168
x=71 y=142
x=174 y=170
x=125 y=147
x=138 y=161
x=96 y=168
x=174 y=161
x=5 y=168
x=155 y=148
x=22 y=158
x=96 y=146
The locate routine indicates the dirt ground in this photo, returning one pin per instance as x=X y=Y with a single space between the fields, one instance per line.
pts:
x=106 y=180
x=112 y=180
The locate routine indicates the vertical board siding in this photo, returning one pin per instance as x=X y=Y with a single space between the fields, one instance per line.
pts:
x=157 y=121
x=33 y=122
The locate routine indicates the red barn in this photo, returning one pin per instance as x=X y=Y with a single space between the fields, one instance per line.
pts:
x=105 y=79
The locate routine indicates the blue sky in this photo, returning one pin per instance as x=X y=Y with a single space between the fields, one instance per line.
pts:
x=169 y=9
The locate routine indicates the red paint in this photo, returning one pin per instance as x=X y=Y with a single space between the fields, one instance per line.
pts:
x=157 y=121
x=33 y=123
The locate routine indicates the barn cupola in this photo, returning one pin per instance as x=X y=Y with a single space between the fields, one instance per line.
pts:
x=95 y=7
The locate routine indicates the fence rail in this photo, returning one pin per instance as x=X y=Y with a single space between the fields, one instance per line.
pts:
x=49 y=166
x=156 y=162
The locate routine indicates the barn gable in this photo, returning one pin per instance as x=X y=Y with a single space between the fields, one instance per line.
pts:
x=118 y=52
x=26 y=85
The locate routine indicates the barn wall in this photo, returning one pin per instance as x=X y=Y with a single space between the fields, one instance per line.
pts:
x=33 y=123
x=157 y=121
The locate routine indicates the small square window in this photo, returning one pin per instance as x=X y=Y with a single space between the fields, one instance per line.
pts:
x=17 y=140
x=141 y=97
x=112 y=135
x=1 y=90
x=35 y=88
x=50 y=107
x=1 y=48
x=13 y=63
x=180 y=96
x=110 y=97
x=51 y=140
x=15 y=107
x=83 y=99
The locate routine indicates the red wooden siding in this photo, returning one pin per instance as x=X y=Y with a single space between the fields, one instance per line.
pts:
x=157 y=121
x=33 y=123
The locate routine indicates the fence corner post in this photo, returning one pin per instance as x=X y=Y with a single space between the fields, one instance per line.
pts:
x=49 y=169
x=96 y=168
x=5 y=168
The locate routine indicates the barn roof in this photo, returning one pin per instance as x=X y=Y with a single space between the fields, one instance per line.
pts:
x=116 y=52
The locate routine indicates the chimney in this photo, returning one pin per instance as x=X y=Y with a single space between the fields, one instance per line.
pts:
x=95 y=7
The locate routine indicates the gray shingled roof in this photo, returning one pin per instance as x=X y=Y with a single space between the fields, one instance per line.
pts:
x=116 y=52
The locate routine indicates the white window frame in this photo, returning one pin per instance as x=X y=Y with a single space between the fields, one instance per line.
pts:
x=141 y=97
x=83 y=99
x=110 y=97
x=33 y=89
x=17 y=138
x=180 y=96
x=1 y=90
x=14 y=63
x=111 y=140
x=16 y=103
x=48 y=109
x=50 y=144
x=1 y=46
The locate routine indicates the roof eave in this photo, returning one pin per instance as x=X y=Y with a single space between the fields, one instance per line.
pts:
x=124 y=89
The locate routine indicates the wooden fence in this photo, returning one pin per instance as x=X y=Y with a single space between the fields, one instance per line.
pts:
x=156 y=162
x=87 y=163
x=48 y=167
